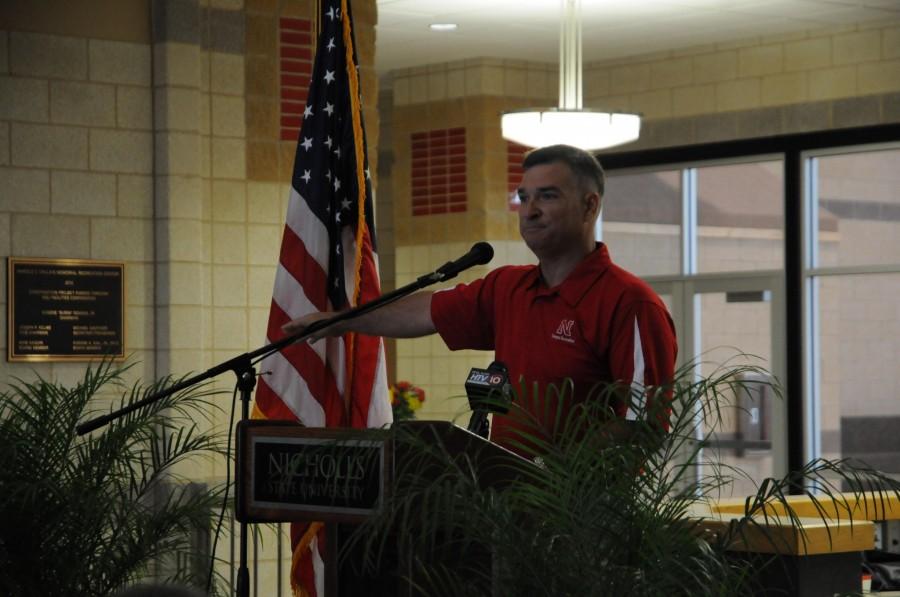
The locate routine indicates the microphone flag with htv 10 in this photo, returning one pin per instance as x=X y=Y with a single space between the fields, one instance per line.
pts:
x=488 y=389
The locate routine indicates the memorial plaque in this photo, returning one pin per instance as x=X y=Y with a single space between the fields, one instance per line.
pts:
x=65 y=309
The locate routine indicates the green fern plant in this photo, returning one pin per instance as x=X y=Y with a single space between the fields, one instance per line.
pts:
x=90 y=515
x=595 y=517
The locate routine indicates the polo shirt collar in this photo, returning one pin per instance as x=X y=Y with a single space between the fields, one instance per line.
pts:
x=579 y=281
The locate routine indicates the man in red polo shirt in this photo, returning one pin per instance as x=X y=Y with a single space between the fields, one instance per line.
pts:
x=575 y=321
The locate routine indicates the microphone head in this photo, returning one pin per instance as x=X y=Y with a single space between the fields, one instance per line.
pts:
x=483 y=252
x=489 y=389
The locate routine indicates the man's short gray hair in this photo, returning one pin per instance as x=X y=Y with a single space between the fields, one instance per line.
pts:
x=585 y=166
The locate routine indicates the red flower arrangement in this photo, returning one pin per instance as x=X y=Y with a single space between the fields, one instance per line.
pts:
x=406 y=399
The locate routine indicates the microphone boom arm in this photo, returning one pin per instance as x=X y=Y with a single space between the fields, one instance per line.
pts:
x=480 y=253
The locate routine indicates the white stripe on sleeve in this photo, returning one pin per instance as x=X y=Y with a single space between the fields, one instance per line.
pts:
x=638 y=396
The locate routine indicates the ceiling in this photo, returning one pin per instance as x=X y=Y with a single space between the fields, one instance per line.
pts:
x=612 y=29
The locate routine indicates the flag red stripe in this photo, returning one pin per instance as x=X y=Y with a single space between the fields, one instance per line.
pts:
x=270 y=403
x=301 y=265
x=318 y=377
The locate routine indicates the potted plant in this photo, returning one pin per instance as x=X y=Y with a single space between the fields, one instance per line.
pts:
x=90 y=515
x=594 y=516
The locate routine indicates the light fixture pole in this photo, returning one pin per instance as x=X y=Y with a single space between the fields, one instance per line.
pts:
x=570 y=123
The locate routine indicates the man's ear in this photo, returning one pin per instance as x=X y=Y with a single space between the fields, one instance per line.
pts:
x=592 y=202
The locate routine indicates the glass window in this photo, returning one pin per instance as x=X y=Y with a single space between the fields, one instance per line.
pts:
x=740 y=216
x=859 y=208
x=642 y=221
x=736 y=330
x=859 y=356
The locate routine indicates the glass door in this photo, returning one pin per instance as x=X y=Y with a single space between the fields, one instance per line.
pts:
x=723 y=322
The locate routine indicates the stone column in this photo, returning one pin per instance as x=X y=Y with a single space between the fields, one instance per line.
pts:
x=182 y=273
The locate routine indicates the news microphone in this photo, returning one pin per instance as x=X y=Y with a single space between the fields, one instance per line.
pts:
x=479 y=254
x=488 y=391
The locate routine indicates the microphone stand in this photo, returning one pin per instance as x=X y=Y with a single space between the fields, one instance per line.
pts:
x=242 y=366
x=478 y=423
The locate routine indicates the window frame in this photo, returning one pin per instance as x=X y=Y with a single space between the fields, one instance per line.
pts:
x=796 y=151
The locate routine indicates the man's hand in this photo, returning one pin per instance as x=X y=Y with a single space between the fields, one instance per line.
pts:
x=301 y=323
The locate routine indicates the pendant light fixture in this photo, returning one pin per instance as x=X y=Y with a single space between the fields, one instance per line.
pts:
x=570 y=123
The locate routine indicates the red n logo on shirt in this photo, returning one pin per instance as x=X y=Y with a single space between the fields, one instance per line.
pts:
x=565 y=328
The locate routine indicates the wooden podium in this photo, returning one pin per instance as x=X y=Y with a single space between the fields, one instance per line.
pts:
x=290 y=473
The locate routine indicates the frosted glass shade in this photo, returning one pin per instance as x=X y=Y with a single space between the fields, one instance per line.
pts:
x=581 y=128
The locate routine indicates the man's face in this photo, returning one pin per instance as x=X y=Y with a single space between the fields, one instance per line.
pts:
x=555 y=215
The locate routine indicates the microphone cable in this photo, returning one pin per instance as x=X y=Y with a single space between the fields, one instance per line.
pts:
x=212 y=553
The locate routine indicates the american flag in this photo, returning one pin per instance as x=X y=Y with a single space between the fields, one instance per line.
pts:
x=327 y=263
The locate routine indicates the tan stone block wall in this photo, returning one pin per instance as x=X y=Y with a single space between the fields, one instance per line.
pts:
x=849 y=61
x=76 y=164
x=4 y=143
x=163 y=154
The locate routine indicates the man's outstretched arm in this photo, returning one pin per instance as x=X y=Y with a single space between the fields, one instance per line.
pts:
x=409 y=317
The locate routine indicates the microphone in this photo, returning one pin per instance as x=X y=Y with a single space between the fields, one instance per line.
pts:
x=479 y=254
x=488 y=391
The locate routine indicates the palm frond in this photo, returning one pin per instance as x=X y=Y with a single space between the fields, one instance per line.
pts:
x=96 y=512
x=596 y=517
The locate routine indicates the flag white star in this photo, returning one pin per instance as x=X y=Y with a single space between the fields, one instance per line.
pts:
x=337 y=249
x=368 y=175
x=328 y=175
x=345 y=204
x=329 y=108
x=307 y=143
x=337 y=152
x=306 y=176
x=337 y=218
x=330 y=45
x=307 y=111
x=329 y=76
x=328 y=141
x=337 y=183
x=330 y=12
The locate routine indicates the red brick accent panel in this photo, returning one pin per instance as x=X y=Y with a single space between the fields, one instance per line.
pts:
x=438 y=171
x=294 y=69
